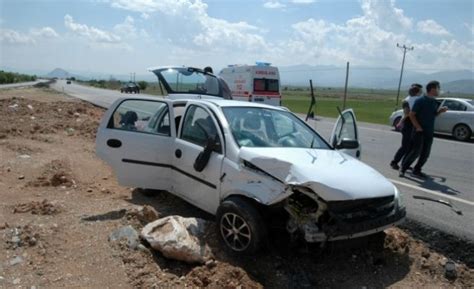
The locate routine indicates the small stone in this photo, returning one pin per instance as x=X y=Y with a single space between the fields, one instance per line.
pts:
x=16 y=281
x=25 y=157
x=105 y=178
x=450 y=270
x=21 y=177
x=142 y=248
x=90 y=190
x=30 y=106
x=210 y=264
x=9 y=169
x=15 y=261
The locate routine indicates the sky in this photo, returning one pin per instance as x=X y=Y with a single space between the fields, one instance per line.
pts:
x=123 y=36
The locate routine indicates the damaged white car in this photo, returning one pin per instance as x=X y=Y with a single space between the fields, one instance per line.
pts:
x=250 y=165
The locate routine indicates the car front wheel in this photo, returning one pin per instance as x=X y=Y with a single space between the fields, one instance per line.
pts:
x=462 y=132
x=240 y=226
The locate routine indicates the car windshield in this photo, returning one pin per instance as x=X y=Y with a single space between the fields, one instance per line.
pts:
x=188 y=80
x=471 y=102
x=263 y=127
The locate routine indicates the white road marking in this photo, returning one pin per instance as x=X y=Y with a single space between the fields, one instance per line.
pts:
x=444 y=196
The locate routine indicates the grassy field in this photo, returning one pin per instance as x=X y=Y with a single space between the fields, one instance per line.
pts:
x=370 y=105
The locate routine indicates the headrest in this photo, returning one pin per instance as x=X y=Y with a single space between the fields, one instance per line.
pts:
x=252 y=122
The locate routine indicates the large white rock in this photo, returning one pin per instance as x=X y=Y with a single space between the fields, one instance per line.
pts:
x=178 y=238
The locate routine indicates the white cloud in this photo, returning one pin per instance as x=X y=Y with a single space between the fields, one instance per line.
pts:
x=303 y=1
x=385 y=14
x=431 y=27
x=190 y=21
x=90 y=33
x=11 y=36
x=14 y=37
x=46 y=32
x=273 y=5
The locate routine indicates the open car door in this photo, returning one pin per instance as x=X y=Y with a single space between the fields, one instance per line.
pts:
x=345 y=136
x=136 y=138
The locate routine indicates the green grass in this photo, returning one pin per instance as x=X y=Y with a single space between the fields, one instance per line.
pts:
x=375 y=111
x=370 y=105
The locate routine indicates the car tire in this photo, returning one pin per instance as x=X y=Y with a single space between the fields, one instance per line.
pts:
x=462 y=132
x=240 y=226
x=395 y=123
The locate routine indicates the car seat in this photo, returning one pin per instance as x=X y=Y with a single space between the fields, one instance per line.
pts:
x=128 y=120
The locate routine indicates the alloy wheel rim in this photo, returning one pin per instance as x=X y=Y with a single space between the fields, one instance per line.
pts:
x=461 y=132
x=235 y=231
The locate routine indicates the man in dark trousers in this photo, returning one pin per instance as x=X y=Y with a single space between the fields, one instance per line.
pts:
x=422 y=116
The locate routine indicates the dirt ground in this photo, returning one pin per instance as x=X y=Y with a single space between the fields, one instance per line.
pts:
x=59 y=203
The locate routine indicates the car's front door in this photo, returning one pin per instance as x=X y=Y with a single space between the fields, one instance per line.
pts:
x=136 y=138
x=445 y=122
x=200 y=186
x=345 y=136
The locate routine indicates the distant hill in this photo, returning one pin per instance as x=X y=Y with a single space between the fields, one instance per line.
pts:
x=460 y=86
x=370 y=77
x=59 y=73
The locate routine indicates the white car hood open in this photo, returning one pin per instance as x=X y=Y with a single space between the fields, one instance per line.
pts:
x=332 y=175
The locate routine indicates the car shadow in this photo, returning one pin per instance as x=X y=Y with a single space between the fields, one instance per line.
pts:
x=286 y=263
x=434 y=183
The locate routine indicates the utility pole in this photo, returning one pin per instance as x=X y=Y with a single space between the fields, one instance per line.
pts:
x=405 y=48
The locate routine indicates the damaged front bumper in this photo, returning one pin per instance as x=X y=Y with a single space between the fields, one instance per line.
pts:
x=342 y=230
x=331 y=221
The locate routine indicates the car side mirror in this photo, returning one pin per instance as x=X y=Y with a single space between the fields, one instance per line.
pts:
x=346 y=143
x=203 y=158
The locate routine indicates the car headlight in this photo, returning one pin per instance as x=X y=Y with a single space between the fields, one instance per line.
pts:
x=397 y=197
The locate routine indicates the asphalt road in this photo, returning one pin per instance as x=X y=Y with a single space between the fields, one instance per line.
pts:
x=450 y=167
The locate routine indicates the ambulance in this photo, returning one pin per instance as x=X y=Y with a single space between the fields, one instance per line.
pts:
x=255 y=83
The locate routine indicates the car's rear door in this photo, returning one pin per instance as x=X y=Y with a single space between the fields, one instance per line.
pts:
x=345 y=129
x=200 y=188
x=136 y=138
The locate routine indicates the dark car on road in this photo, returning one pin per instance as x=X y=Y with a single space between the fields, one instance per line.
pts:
x=130 y=87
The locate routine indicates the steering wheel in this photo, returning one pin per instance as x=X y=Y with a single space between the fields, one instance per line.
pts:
x=256 y=140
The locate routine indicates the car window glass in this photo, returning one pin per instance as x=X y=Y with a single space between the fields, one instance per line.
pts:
x=454 y=105
x=260 y=127
x=198 y=126
x=141 y=116
x=183 y=80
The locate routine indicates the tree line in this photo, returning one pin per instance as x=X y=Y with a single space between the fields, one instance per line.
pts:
x=12 y=77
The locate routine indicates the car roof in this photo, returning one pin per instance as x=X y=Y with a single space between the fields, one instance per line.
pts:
x=214 y=102
x=455 y=98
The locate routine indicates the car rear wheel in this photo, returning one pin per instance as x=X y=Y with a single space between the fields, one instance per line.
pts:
x=395 y=123
x=462 y=132
x=240 y=226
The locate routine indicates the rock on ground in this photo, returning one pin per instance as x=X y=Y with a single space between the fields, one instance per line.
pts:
x=179 y=238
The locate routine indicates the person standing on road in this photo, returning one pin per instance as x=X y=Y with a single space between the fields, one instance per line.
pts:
x=422 y=116
x=414 y=93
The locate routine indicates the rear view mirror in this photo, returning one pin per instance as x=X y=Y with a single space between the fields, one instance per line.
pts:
x=346 y=143
x=204 y=156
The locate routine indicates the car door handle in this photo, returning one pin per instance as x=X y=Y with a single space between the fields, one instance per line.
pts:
x=114 y=143
x=178 y=153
